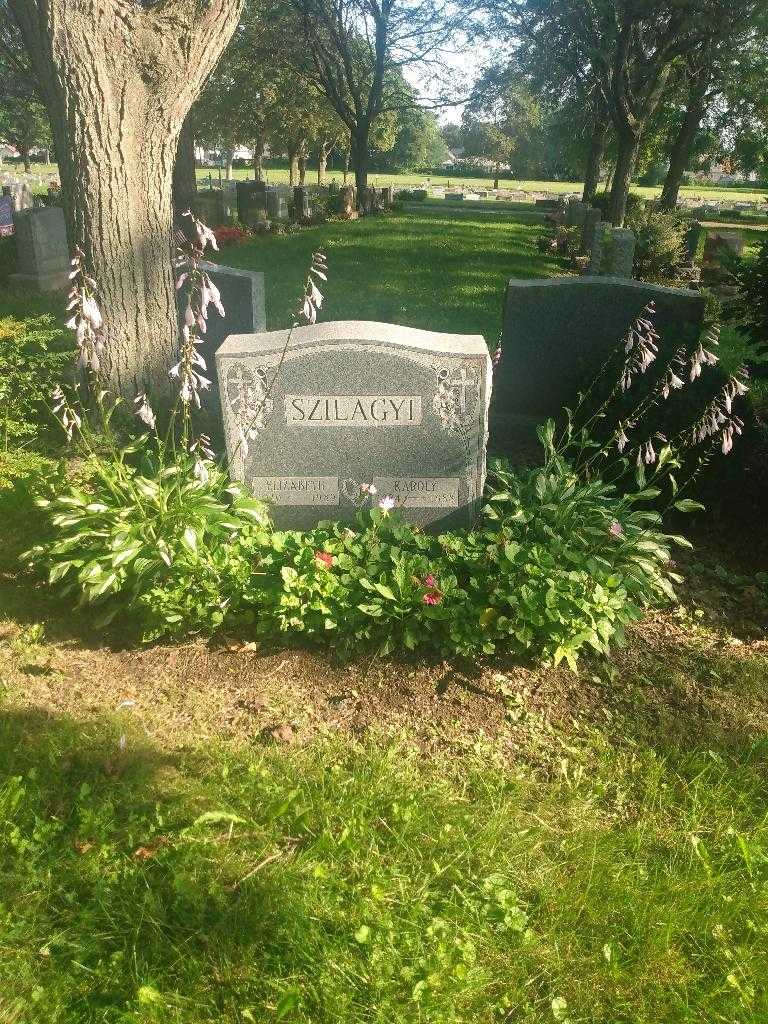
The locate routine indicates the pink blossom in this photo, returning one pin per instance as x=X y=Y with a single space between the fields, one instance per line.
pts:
x=432 y=598
x=387 y=504
x=325 y=558
x=430 y=581
x=616 y=529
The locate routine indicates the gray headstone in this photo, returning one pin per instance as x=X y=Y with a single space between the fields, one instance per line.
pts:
x=301 y=207
x=558 y=332
x=347 y=200
x=575 y=212
x=339 y=405
x=209 y=207
x=242 y=295
x=42 y=248
x=6 y=212
x=596 y=247
x=589 y=229
x=618 y=252
x=277 y=208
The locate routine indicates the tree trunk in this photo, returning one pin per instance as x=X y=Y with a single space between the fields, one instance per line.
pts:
x=302 y=160
x=628 y=143
x=322 y=162
x=184 y=176
x=683 y=144
x=347 y=161
x=594 y=160
x=228 y=168
x=118 y=81
x=293 y=168
x=259 y=146
x=359 y=155
x=24 y=153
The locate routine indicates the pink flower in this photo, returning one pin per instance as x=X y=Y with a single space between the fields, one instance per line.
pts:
x=432 y=598
x=325 y=558
x=615 y=529
x=387 y=504
x=430 y=581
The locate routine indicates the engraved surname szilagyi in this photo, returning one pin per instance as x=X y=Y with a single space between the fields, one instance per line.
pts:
x=353 y=410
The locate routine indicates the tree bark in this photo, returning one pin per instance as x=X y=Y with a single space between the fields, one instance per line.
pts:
x=24 y=154
x=118 y=81
x=628 y=144
x=360 y=157
x=682 y=147
x=259 y=146
x=184 y=176
x=302 y=161
x=594 y=160
x=293 y=168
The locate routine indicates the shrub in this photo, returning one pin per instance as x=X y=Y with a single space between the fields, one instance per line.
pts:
x=412 y=195
x=752 y=305
x=602 y=201
x=659 y=246
x=32 y=356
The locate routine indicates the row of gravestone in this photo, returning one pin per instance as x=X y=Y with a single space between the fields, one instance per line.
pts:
x=254 y=203
x=608 y=251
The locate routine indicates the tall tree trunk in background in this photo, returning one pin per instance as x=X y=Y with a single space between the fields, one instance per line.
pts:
x=359 y=155
x=594 y=159
x=302 y=160
x=228 y=165
x=118 y=81
x=323 y=152
x=293 y=167
x=682 y=147
x=347 y=161
x=627 y=146
x=259 y=145
x=184 y=176
x=24 y=154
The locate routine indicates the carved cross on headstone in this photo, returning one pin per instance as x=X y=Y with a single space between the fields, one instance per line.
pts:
x=465 y=381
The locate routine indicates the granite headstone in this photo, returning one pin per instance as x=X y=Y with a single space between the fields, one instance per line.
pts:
x=42 y=248
x=328 y=408
x=242 y=295
x=6 y=212
x=557 y=333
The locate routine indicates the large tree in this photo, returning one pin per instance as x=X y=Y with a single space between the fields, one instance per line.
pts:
x=118 y=78
x=358 y=49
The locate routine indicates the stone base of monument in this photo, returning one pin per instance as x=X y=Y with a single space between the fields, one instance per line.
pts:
x=41 y=282
x=316 y=415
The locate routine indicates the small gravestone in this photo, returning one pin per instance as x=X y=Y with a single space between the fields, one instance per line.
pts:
x=42 y=248
x=589 y=229
x=209 y=207
x=332 y=407
x=242 y=295
x=277 y=208
x=22 y=195
x=618 y=252
x=347 y=202
x=6 y=212
x=558 y=332
x=575 y=212
x=251 y=202
x=301 y=207
x=596 y=247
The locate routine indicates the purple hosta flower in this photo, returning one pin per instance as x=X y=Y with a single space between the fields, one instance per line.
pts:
x=649 y=454
x=732 y=426
x=144 y=410
x=735 y=388
x=496 y=357
x=616 y=529
x=621 y=438
x=66 y=415
x=86 y=319
x=209 y=294
x=386 y=505
x=312 y=299
x=369 y=489
x=203 y=234
x=201 y=448
x=671 y=383
x=700 y=358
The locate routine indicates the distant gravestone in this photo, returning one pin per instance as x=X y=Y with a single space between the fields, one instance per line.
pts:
x=42 y=248
x=22 y=195
x=589 y=229
x=242 y=295
x=558 y=332
x=340 y=405
x=6 y=212
x=347 y=202
x=251 y=202
x=301 y=207
x=208 y=206
x=575 y=212
x=277 y=208
x=618 y=252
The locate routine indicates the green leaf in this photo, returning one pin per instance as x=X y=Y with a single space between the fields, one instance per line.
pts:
x=688 y=505
x=385 y=591
x=218 y=818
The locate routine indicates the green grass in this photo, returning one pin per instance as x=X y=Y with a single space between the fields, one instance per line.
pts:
x=348 y=883
x=423 y=269
x=279 y=175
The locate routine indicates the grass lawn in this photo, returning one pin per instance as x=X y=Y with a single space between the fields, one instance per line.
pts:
x=424 y=269
x=222 y=833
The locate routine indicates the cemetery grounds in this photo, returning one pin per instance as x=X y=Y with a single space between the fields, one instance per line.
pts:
x=220 y=832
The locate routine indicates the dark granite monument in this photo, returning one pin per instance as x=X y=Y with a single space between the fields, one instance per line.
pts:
x=557 y=333
x=242 y=295
x=327 y=409
x=42 y=248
